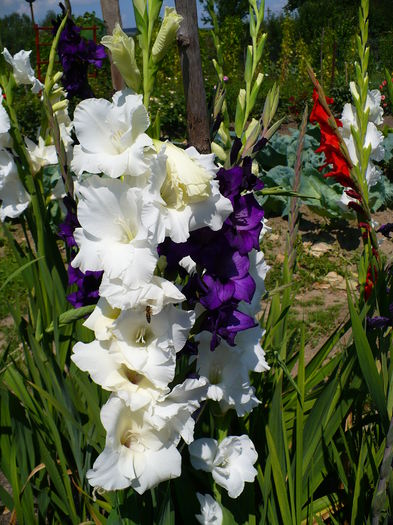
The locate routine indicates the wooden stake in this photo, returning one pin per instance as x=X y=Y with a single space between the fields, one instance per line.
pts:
x=194 y=88
x=111 y=15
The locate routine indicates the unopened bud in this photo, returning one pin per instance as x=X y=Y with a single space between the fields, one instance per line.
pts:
x=166 y=34
x=122 y=48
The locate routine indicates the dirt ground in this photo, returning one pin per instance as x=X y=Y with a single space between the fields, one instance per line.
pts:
x=327 y=256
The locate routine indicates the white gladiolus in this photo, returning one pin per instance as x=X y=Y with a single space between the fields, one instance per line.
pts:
x=14 y=197
x=227 y=370
x=112 y=237
x=211 y=512
x=135 y=454
x=23 y=72
x=374 y=105
x=102 y=319
x=111 y=136
x=155 y=294
x=188 y=198
x=138 y=361
x=40 y=154
x=5 y=137
x=373 y=139
x=175 y=409
x=230 y=462
x=258 y=271
x=113 y=367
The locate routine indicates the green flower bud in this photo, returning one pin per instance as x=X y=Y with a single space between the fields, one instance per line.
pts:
x=240 y=112
x=122 y=48
x=166 y=34
x=140 y=6
x=354 y=91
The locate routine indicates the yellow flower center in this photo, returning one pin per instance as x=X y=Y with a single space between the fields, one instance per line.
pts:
x=186 y=181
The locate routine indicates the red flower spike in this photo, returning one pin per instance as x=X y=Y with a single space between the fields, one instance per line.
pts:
x=331 y=146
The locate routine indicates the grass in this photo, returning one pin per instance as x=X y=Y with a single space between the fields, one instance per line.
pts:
x=13 y=293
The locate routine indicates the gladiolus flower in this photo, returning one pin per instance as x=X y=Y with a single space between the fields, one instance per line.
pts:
x=211 y=512
x=230 y=461
x=23 y=72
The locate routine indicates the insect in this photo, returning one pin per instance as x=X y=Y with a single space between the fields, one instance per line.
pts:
x=148 y=314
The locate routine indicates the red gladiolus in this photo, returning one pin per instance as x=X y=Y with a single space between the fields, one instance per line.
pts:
x=371 y=280
x=330 y=144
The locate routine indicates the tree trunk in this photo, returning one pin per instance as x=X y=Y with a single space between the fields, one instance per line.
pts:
x=194 y=88
x=111 y=15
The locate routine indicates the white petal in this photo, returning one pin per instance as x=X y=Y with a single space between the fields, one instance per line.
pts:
x=156 y=294
x=202 y=453
x=155 y=466
x=211 y=512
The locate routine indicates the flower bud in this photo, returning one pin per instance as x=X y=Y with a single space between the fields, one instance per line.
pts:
x=240 y=112
x=140 y=6
x=354 y=91
x=166 y=34
x=122 y=48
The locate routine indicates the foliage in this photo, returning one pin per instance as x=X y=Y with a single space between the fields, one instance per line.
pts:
x=17 y=33
x=237 y=9
x=278 y=161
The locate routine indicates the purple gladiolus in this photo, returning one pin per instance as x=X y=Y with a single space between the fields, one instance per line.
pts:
x=222 y=256
x=225 y=323
x=75 y=54
x=87 y=283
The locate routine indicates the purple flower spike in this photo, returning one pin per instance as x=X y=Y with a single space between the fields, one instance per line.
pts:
x=222 y=257
x=386 y=229
x=75 y=54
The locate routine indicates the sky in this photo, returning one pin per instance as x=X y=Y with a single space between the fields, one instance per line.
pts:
x=80 y=6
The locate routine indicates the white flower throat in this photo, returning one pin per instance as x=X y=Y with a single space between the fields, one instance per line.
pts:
x=117 y=140
x=129 y=231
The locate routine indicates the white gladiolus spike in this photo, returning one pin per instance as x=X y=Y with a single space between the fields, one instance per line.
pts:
x=230 y=462
x=23 y=72
x=111 y=136
x=373 y=139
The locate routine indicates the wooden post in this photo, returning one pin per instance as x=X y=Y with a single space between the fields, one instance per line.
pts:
x=111 y=15
x=194 y=87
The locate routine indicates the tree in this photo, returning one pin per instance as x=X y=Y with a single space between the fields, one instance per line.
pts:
x=17 y=33
x=224 y=9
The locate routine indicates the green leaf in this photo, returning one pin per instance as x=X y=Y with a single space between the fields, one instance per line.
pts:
x=279 y=480
x=367 y=365
x=72 y=315
x=18 y=271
